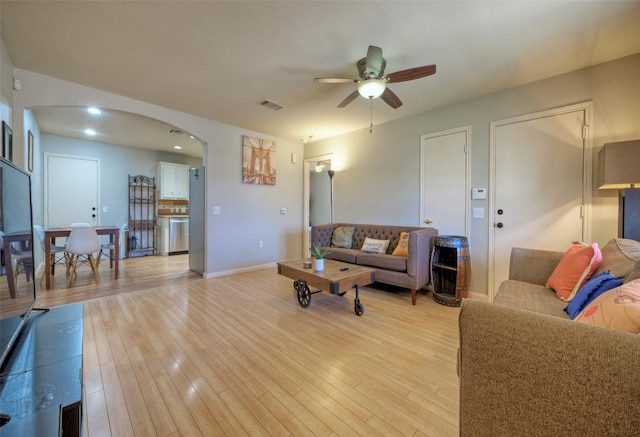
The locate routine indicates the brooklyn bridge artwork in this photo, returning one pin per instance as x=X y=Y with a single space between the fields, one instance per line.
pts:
x=258 y=161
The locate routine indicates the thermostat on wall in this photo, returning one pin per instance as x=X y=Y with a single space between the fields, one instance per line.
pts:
x=479 y=193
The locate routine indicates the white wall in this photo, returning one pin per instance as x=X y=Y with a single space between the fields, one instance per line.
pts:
x=250 y=213
x=377 y=177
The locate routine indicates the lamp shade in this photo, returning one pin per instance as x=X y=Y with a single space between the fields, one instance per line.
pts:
x=619 y=165
x=371 y=88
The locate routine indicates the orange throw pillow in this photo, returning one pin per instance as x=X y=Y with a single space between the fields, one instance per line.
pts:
x=618 y=308
x=575 y=268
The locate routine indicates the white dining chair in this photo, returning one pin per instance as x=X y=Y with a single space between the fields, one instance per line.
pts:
x=83 y=241
x=55 y=251
x=21 y=260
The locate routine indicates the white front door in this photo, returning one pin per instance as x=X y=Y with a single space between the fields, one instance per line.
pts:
x=71 y=187
x=444 y=181
x=541 y=163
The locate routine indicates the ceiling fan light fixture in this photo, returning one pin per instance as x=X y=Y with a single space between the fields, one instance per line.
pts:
x=371 y=88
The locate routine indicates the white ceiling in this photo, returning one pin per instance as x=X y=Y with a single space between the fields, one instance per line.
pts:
x=219 y=59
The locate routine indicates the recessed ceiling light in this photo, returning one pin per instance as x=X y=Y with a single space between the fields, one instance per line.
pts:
x=89 y=132
x=94 y=111
x=177 y=147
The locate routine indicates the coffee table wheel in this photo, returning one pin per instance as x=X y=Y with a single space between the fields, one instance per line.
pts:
x=303 y=293
x=357 y=307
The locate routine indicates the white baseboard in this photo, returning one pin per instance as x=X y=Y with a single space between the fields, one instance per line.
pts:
x=242 y=270
x=479 y=296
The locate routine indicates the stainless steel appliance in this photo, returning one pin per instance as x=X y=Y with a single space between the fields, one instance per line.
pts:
x=178 y=235
x=197 y=222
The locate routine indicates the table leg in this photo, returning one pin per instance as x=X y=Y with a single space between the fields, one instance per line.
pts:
x=357 y=306
x=47 y=263
x=9 y=269
x=116 y=255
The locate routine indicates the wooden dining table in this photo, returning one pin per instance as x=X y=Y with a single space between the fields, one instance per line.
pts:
x=51 y=234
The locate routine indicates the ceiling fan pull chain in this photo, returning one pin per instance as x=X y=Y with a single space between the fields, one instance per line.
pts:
x=371 y=114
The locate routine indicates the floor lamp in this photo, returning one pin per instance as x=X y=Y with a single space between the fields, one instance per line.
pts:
x=619 y=168
x=331 y=173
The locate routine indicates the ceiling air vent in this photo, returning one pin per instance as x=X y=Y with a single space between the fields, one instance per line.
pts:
x=271 y=105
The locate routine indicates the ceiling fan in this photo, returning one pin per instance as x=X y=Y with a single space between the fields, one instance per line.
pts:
x=372 y=82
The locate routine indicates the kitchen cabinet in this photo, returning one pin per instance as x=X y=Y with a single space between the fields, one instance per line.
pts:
x=173 y=180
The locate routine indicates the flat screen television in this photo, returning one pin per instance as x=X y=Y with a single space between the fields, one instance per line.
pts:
x=17 y=273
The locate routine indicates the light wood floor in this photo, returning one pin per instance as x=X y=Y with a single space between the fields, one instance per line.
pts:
x=169 y=353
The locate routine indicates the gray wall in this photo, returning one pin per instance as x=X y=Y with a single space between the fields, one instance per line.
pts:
x=378 y=174
x=250 y=213
x=116 y=164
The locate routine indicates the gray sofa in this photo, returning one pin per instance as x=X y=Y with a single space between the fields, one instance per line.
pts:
x=527 y=369
x=412 y=272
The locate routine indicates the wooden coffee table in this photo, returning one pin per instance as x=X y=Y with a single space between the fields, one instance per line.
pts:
x=336 y=278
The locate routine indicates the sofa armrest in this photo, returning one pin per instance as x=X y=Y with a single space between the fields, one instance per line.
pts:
x=524 y=373
x=532 y=265
x=419 y=260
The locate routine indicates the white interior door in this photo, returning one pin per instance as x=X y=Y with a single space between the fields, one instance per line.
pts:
x=71 y=187
x=444 y=181
x=538 y=184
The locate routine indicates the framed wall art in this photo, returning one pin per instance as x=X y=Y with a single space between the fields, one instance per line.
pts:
x=258 y=161
x=30 y=151
x=7 y=142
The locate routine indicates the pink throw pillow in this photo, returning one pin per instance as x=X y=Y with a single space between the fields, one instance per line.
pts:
x=574 y=269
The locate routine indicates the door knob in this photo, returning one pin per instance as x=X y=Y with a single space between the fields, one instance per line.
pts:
x=499 y=225
x=428 y=221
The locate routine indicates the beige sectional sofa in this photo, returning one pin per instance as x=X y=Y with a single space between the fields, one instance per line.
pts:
x=527 y=369
x=412 y=271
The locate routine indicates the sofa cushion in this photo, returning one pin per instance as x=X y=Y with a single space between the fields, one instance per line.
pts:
x=344 y=255
x=616 y=309
x=371 y=245
x=342 y=236
x=402 y=249
x=530 y=297
x=575 y=268
x=593 y=288
x=619 y=256
x=382 y=261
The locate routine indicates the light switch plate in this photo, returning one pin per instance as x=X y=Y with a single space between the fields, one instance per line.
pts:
x=478 y=212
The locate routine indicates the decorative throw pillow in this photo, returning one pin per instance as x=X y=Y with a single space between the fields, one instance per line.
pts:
x=372 y=245
x=619 y=256
x=342 y=237
x=616 y=309
x=593 y=288
x=402 y=249
x=575 y=267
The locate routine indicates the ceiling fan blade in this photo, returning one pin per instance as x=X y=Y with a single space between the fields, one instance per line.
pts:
x=374 y=60
x=333 y=80
x=411 y=73
x=391 y=99
x=350 y=98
